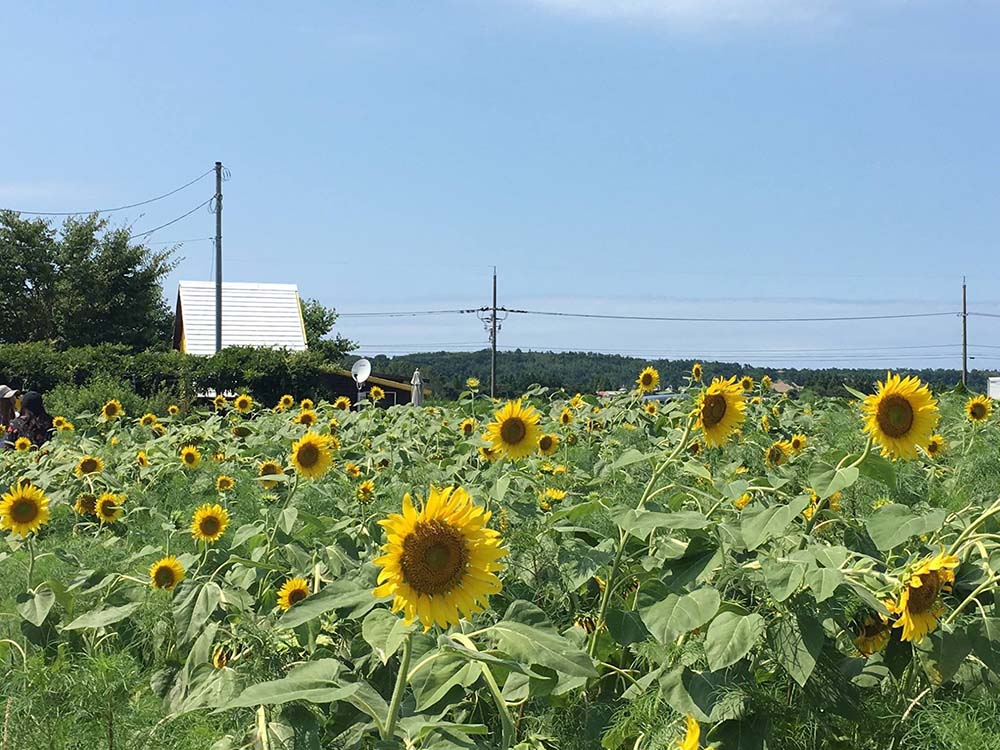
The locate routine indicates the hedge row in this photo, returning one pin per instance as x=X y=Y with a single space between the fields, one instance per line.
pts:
x=265 y=373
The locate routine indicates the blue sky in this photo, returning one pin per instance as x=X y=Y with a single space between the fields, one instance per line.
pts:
x=713 y=158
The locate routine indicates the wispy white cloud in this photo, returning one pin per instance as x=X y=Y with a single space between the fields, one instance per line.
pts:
x=699 y=13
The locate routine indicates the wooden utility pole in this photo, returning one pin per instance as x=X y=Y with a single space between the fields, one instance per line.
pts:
x=218 y=256
x=965 y=338
x=493 y=339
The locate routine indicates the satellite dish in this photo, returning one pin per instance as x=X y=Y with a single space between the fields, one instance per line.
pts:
x=360 y=371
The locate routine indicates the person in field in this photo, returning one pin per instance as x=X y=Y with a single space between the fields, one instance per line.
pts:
x=7 y=398
x=33 y=423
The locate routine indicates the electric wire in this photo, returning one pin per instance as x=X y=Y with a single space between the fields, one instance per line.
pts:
x=173 y=221
x=681 y=319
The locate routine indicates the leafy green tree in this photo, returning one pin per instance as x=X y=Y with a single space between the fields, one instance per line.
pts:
x=319 y=321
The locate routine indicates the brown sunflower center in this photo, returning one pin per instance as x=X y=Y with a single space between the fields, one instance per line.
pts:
x=933 y=446
x=922 y=599
x=88 y=465
x=107 y=508
x=190 y=457
x=297 y=595
x=24 y=510
x=110 y=410
x=565 y=418
x=209 y=526
x=871 y=627
x=894 y=416
x=308 y=455
x=713 y=410
x=435 y=555
x=775 y=455
x=796 y=443
x=87 y=503
x=977 y=411
x=513 y=430
x=164 y=576
x=646 y=379
x=545 y=443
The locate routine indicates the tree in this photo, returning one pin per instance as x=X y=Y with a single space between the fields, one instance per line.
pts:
x=82 y=284
x=319 y=321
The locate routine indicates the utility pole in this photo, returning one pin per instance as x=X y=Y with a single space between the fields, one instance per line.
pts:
x=218 y=256
x=965 y=338
x=493 y=339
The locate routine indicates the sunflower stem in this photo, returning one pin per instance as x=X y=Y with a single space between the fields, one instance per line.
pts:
x=31 y=560
x=507 y=729
x=397 y=693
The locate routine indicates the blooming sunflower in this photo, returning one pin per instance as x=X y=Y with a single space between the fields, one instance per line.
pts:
x=365 y=491
x=552 y=493
x=873 y=633
x=224 y=483
x=66 y=426
x=293 y=592
x=306 y=403
x=166 y=573
x=468 y=426
x=173 y=410
x=243 y=403
x=375 y=394
x=352 y=470
x=219 y=402
x=566 y=416
x=85 y=504
x=472 y=384
x=696 y=373
x=306 y=417
x=721 y=410
x=209 y=523
x=112 y=409
x=936 y=445
x=577 y=401
x=270 y=469
x=89 y=465
x=648 y=380
x=691 y=736
x=514 y=430
x=488 y=454
x=548 y=444
x=22 y=444
x=746 y=383
x=343 y=403
x=148 y=419
x=651 y=408
x=918 y=607
x=900 y=416
x=108 y=507
x=311 y=455
x=778 y=453
x=24 y=509
x=142 y=459
x=978 y=409
x=58 y=422
x=287 y=401
x=440 y=562
x=799 y=442
x=766 y=383
x=190 y=457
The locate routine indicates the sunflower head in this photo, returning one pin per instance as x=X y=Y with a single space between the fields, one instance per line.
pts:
x=209 y=523
x=746 y=383
x=219 y=402
x=66 y=426
x=89 y=465
x=743 y=500
x=488 y=454
x=472 y=384
x=24 y=509
x=440 y=563
x=375 y=394
x=696 y=373
x=270 y=469
x=224 y=483
x=778 y=453
x=343 y=403
x=900 y=416
x=311 y=455
x=58 y=422
x=243 y=403
x=166 y=573
x=799 y=442
x=108 y=507
x=306 y=403
x=306 y=417
x=872 y=632
x=694 y=448
x=978 y=409
x=85 y=504
x=365 y=491
x=548 y=444
x=287 y=401
x=352 y=470
x=148 y=419
x=648 y=380
x=936 y=445
x=514 y=430
x=577 y=401
x=22 y=444
x=190 y=457
x=552 y=493
x=919 y=606
x=468 y=426
x=173 y=410
x=766 y=383
x=293 y=592
x=142 y=459
x=721 y=410
x=565 y=417
x=112 y=409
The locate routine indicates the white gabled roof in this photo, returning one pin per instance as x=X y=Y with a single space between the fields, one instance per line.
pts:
x=267 y=315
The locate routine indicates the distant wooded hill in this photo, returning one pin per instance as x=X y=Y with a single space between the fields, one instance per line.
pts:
x=445 y=372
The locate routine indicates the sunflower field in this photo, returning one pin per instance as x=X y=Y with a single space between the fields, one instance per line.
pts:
x=724 y=568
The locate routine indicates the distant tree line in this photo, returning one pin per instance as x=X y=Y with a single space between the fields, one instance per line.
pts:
x=446 y=372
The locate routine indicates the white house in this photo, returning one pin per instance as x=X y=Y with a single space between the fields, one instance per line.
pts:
x=993 y=387
x=266 y=315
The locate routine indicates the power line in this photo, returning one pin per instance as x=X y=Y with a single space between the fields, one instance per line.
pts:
x=180 y=242
x=678 y=319
x=405 y=314
x=117 y=208
x=173 y=221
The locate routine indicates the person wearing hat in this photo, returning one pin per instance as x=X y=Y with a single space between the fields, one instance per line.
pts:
x=8 y=397
x=33 y=422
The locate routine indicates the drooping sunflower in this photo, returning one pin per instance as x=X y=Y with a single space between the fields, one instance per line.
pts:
x=778 y=453
x=112 y=409
x=85 y=504
x=209 y=523
x=799 y=442
x=287 y=401
x=900 y=416
x=343 y=403
x=243 y=403
x=766 y=382
x=108 y=507
x=306 y=417
x=311 y=455
x=158 y=429
x=306 y=403
x=89 y=465
x=24 y=509
x=352 y=470
x=219 y=402
x=142 y=459
x=365 y=491
x=548 y=444
x=190 y=457
x=978 y=409
x=919 y=607
x=166 y=573
x=270 y=469
x=468 y=426
x=440 y=562
x=648 y=380
x=553 y=493
x=66 y=426
x=375 y=394
x=696 y=373
x=173 y=410
x=22 y=444
x=872 y=633
x=293 y=592
x=692 y=735
x=514 y=430
x=148 y=419
x=577 y=401
x=743 y=500
x=472 y=384
x=333 y=425
x=721 y=410
x=488 y=454
x=936 y=446
x=765 y=423
x=224 y=483
x=756 y=401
